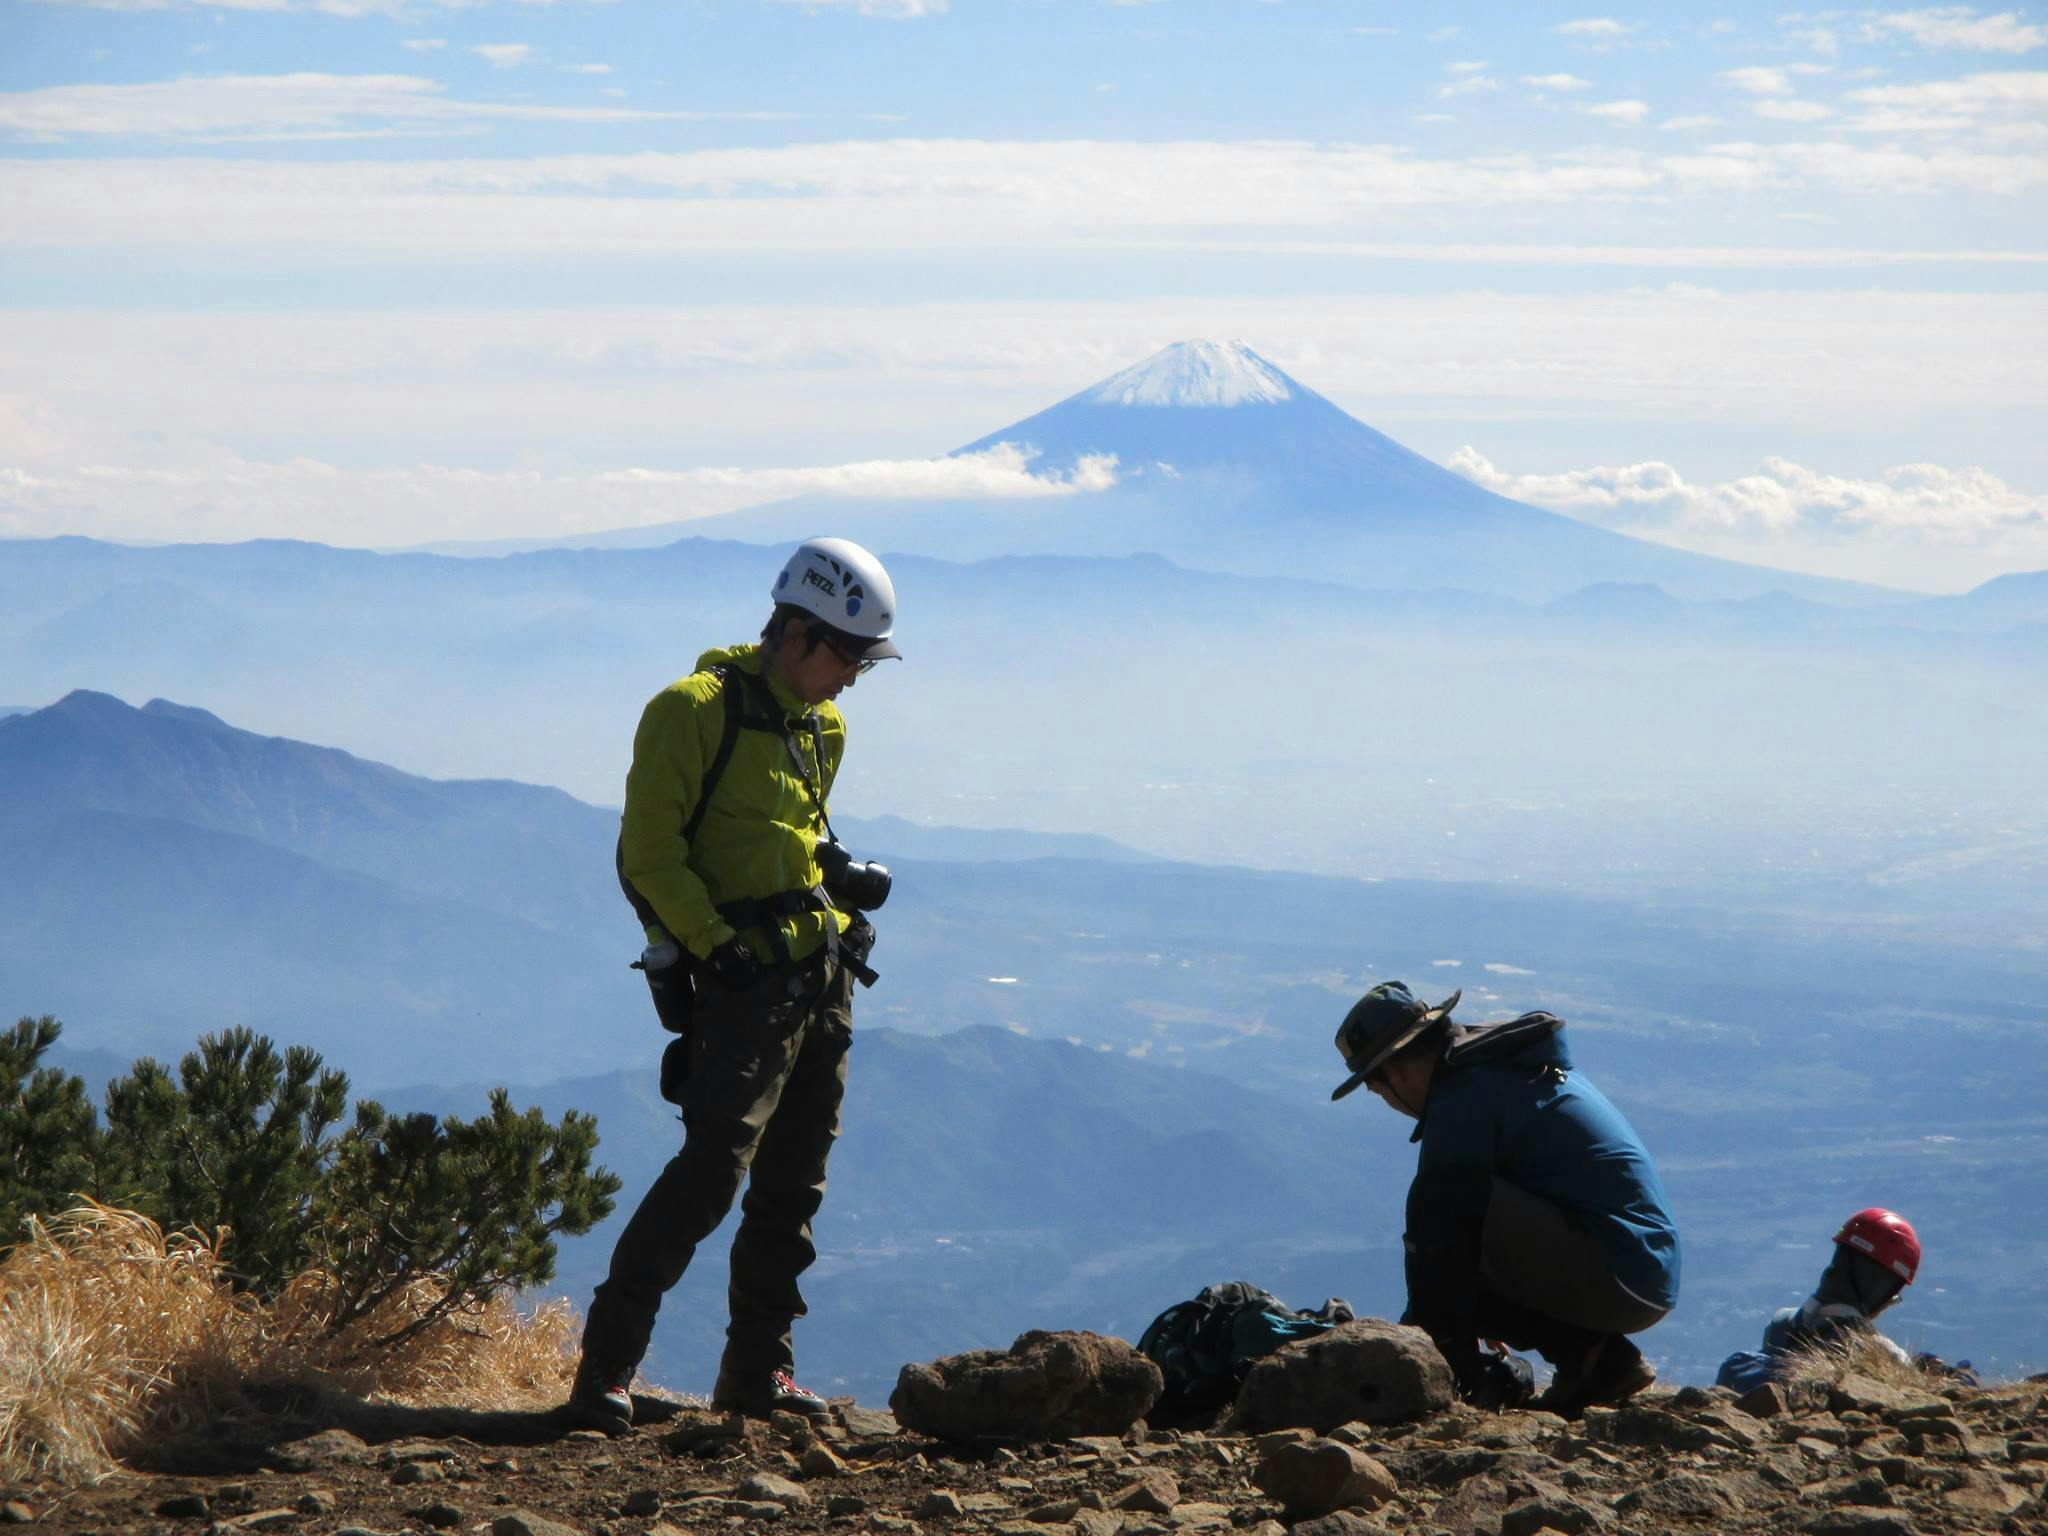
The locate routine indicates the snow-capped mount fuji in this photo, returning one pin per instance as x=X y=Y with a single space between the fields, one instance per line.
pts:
x=1197 y=373
x=1221 y=461
x=1219 y=410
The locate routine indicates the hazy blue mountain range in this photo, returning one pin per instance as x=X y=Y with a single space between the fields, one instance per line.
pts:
x=1754 y=750
x=1139 y=1102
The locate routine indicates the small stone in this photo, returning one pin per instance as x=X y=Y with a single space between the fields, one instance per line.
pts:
x=1005 y=1457
x=985 y=1504
x=1860 y=1522
x=1682 y=1495
x=267 y=1520
x=846 y=1504
x=894 y=1524
x=14 y=1512
x=501 y=1464
x=316 y=1501
x=941 y=1504
x=1155 y=1492
x=1266 y=1444
x=819 y=1461
x=442 y=1517
x=233 y=1496
x=1766 y=1401
x=1097 y=1522
x=185 y=1506
x=642 y=1501
x=1551 y=1512
x=767 y=1488
x=425 y=1450
x=1983 y=1493
x=867 y=1423
x=1318 y=1476
x=752 y=1509
x=1059 y=1513
x=412 y=1473
x=1197 y=1515
x=521 y=1522
x=329 y=1445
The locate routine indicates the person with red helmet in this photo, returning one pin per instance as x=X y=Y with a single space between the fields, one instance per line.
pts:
x=1877 y=1255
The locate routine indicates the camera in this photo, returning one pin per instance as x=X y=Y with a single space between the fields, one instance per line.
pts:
x=862 y=885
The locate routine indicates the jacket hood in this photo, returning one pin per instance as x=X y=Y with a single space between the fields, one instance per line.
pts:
x=1533 y=1040
x=1527 y=1044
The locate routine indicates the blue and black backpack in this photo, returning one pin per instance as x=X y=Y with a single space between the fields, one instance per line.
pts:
x=1204 y=1346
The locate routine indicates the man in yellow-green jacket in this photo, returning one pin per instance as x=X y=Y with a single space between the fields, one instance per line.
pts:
x=755 y=935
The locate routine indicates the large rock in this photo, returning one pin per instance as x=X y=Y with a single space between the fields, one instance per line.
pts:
x=1046 y=1386
x=1370 y=1370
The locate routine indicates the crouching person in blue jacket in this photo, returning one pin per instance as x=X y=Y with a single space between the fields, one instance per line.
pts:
x=1536 y=1217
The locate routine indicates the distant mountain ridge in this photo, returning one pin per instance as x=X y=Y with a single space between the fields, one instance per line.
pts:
x=1223 y=462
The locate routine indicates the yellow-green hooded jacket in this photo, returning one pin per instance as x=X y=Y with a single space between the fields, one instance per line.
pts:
x=760 y=831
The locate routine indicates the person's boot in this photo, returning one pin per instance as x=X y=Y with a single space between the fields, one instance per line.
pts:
x=760 y=1394
x=1616 y=1372
x=600 y=1399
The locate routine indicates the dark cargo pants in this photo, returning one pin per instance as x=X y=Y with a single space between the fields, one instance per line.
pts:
x=1547 y=1284
x=761 y=1107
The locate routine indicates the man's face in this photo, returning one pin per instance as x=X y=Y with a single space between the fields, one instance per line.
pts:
x=1403 y=1085
x=820 y=673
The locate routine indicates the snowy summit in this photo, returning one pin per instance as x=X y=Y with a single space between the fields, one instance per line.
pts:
x=1196 y=373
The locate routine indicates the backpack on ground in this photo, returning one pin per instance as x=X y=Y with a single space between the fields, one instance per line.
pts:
x=1205 y=1345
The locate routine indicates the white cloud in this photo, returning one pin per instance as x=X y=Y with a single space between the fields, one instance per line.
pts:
x=267 y=106
x=425 y=44
x=1757 y=80
x=920 y=196
x=1903 y=514
x=1960 y=26
x=1620 y=111
x=1557 y=82
x=587 y=69
x=1694 y=121
x=1974 y=103
x=1466 y=66
x=503 y=55
x=1594 y=26
x=1468 y=85
x=1791 y=111
x=213 y=493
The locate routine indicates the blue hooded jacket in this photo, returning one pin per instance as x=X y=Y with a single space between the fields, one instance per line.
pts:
x=1506 y=1102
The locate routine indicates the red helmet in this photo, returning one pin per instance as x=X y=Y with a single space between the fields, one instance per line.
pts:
x=1885 y=1236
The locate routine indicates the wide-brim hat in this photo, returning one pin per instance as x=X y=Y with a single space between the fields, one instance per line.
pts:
x=1380 y=1025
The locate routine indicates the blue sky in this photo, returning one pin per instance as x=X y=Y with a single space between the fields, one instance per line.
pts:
x=1766 y=283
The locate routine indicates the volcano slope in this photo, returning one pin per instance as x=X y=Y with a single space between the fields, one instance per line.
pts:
x=1851 y=1456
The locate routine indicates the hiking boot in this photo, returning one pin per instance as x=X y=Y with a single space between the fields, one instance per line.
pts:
x=1617 y=1373
x=760 y=1396
x=599 y=1399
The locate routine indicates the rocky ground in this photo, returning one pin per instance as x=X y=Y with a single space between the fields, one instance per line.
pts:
x=1855 y=1457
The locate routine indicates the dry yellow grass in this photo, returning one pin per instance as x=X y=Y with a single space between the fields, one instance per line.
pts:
x=115 y=1338
x=1828 y=1361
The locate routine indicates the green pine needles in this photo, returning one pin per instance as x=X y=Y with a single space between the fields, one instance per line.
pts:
x=241 y=1145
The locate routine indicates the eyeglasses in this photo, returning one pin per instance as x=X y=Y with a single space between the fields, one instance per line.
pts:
x=860 y=664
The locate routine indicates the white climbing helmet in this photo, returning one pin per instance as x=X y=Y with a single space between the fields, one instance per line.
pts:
x=838 y=581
